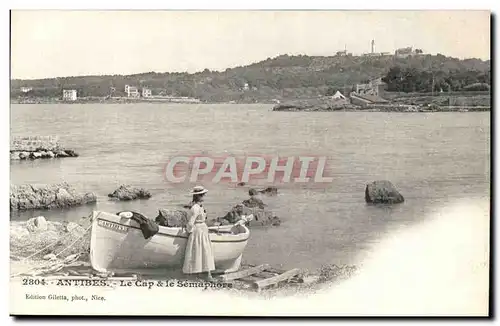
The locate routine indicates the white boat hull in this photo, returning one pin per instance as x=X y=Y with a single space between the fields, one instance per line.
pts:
x=117 y=244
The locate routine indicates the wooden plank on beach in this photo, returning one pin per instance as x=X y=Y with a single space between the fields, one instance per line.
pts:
x=259 y=285
x=243 y=273
x=266 y=274
x=270 y=269
x=274 y=272
x=250 y=279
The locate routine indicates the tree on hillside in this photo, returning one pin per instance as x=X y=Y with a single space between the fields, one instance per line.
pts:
x=299 y=75
x=393 y=79
x=416 y=80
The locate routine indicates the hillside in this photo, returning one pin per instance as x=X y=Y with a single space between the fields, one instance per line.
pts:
x=282 y=77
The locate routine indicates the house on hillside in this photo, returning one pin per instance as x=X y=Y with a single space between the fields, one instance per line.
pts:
x=369 y=93
x=146 y=92
x=374 y=87
x=26 y=89
x=131 y=91
x=69 y=94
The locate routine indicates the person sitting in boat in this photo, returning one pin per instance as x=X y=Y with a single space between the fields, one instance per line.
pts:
x=253 y=201
x=199 y=256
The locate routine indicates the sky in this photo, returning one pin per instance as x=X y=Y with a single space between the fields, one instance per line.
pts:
x=47 y=44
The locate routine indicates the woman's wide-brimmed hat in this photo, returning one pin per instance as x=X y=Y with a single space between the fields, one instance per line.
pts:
x=198 y=190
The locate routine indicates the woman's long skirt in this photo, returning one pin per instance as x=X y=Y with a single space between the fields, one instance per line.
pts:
x=199 y=256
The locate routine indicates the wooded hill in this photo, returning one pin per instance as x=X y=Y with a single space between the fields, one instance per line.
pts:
x=282 y=77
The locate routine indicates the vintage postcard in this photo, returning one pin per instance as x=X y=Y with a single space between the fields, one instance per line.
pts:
x=250 y=163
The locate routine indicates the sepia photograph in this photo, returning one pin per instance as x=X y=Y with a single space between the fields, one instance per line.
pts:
x=321 y=163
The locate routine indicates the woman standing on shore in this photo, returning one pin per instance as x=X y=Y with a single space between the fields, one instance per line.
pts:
x=199 y=256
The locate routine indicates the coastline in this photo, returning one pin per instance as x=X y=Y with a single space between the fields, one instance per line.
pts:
x=275 y=108
x=390 y=109
x=124 y=100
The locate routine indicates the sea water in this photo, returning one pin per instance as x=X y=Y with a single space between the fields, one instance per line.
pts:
x=432 y=158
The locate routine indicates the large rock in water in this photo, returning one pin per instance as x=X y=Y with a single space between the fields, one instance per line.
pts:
x=172 y=218
x=43 y=196
x=36 y=147
x=262 y=217
x=270 y=191
x=382 y=192
x=126 y=192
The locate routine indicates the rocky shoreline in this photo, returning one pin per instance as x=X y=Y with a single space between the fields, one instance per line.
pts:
x=34 y=236
x=61 y=195
x=41 y=154
x=378 y=108
x=42 y=240
x=328 y=104
x=37 y=147
x=45 y=248
x=38 y=242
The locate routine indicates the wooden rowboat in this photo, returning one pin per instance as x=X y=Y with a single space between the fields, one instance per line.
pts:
x=117 y=245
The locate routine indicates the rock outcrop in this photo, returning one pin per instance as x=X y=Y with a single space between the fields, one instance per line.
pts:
x=270 y=191
x=126 y=192
x=262 y=217
x=47 y=196
x=37 y=224
x=172 y=218
x=26 y=240
x=382 y=192
x=23 y=155
x=32 y=148
x=253 y=205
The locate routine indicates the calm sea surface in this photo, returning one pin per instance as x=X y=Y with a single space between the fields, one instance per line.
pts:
x=432 y=158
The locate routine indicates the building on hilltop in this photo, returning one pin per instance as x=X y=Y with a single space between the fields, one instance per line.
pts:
x=69 y=95
x=404 y=52
x=372 y=52
x=342 y=53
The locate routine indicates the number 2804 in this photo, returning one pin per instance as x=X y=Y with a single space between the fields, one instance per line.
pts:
x=30 y=281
